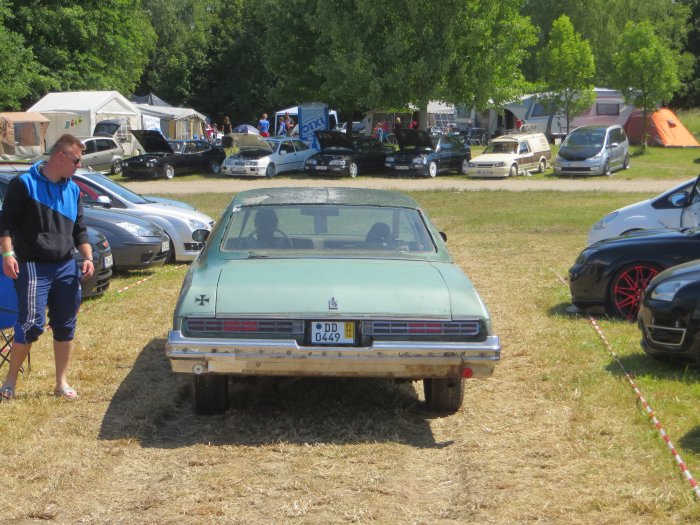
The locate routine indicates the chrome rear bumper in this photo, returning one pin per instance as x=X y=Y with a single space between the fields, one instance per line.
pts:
x=398 y=359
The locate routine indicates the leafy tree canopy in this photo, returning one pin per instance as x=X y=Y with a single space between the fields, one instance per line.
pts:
x=568 y=69
x=85 y=44
x=20 y=73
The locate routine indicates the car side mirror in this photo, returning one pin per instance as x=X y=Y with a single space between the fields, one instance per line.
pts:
x=679 y=200
x=444 y=236
x=283 y=152
x=105 y=201
x=200 y=235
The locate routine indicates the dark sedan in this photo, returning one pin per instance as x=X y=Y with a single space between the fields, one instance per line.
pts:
x=667 y=317
x=136 y=243
x=421 y=154
x=611 y=275
x=341 y=155
x=166 y=158
x=103 y=261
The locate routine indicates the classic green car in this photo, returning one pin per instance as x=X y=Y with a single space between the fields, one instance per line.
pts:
x=331 y=282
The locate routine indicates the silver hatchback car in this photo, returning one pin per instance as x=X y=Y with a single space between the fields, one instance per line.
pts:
x=593 y=150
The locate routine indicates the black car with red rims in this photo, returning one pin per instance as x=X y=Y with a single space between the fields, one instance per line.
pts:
x=611 y=275
x=669 y=316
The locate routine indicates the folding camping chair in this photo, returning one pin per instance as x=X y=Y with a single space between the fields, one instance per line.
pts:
x=8 y=317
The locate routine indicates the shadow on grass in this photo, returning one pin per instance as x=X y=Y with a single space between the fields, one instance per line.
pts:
x=152 y=406
x=691 y=441
x=641 y=365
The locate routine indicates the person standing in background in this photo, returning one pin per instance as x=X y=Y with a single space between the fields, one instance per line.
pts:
x=281 y=127
x=42 y=219
x=289 y=122
x=226 y=127
x=264 y=126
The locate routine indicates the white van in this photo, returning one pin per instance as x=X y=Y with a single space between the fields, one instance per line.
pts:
x=511 y=155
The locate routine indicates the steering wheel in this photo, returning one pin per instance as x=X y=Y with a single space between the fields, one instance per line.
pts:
x=276 y=234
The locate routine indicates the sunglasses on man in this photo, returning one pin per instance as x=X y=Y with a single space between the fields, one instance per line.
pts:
x=76 y=160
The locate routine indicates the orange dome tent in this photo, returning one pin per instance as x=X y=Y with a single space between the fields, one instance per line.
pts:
x=664 y=128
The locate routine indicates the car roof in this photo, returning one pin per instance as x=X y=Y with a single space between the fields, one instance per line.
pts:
x=603 y=127
x=318 y=195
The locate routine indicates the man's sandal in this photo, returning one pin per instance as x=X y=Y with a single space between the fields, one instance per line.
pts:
x=66 y=393
x=7 y=392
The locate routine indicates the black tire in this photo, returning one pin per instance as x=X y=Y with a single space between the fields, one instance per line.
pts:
x=353 y=170
x=513 y=172
x=542 y=166
x=606 y=169
x=465 y=166
x=116 y=167
x=168 y=171
x=626 y=162
x=271 y=171
x=215 y=167
x=444 y=395
x=432 y=169
x=170 y=258
x=210 y=394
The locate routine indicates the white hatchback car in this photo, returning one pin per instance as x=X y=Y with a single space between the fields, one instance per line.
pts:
x=676 y=208
x=179 y=223
x=259 y=157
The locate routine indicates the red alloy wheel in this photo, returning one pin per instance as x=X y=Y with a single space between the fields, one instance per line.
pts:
x=627 y=288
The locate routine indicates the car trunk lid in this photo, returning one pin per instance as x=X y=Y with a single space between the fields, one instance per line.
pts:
x=332 y=287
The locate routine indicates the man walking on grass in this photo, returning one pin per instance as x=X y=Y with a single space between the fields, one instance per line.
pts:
x=40 y=224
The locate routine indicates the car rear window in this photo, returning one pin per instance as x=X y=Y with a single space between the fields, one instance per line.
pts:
x=325 y=228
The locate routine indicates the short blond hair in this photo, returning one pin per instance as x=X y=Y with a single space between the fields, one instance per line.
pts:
x=66 y=141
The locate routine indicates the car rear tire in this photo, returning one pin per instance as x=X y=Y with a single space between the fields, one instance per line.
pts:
x=542 y=166
x=352 y=170
x=168 y=171
x=465 y=166
x=513 y=172
x=271 y=171
x=626 y=288
x=606 y=169
x=626 y=162
x=215 y=167
x=210 y=394
x=444 y=394
x=116 y=167
x=432 y=169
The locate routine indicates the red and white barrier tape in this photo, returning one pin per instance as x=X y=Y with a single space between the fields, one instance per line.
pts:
x=647 y=407
x=93 y=303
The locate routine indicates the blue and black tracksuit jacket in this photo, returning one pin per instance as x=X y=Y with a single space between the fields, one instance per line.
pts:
x=44 y=219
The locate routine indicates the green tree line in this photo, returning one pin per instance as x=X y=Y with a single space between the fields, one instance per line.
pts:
x=243 y=57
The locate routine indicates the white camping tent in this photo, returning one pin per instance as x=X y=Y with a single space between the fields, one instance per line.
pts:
x=78 y=112
x=173 y=123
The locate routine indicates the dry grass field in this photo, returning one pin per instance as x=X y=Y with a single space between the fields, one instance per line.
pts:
x=556 y=436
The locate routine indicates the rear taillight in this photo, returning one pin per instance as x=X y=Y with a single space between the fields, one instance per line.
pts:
x=243 y=326
x=417 y=328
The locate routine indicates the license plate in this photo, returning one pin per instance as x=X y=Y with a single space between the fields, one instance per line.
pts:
x=109 y=261
x=332 y=332
x=164 y=246
x=401 y=167
x=483 y=172
x=321 y=167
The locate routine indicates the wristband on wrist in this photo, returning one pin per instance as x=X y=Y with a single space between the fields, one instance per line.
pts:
x=8 y=254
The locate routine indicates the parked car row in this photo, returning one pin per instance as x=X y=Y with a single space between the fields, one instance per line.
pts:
x=643 y=263
x=418 y=153
x=127 y=231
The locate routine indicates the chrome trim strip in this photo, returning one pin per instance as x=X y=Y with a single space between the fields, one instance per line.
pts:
x=179 y=346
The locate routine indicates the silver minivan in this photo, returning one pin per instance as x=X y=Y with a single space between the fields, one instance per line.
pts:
x=593 y=150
